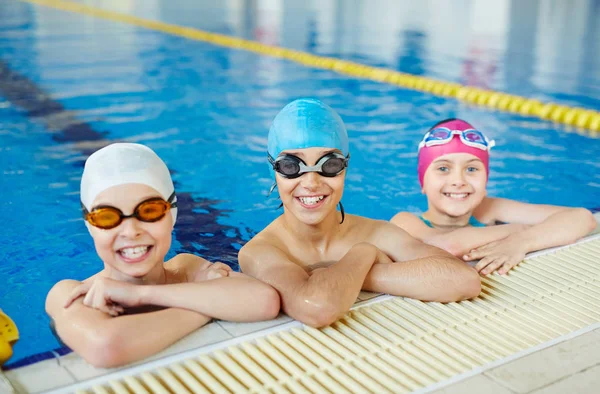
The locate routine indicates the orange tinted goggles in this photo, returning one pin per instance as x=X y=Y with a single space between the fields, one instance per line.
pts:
x=150 y=210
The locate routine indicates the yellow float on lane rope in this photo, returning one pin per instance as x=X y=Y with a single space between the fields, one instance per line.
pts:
x=572 y=116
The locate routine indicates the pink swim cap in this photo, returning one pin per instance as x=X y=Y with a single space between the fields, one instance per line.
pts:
x=428 y=154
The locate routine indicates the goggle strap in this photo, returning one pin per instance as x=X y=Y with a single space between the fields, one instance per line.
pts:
x=273 y=187
x=170 y=200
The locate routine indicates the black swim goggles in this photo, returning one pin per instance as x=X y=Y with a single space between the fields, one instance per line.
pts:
x=150 y=210
x=290 y=166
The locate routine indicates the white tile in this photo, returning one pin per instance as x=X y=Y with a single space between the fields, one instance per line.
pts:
x=239 y=329
x=206 y=335
x=549 y=365
x=42 y=376
x=80 y=369
x=475 y=384
x=5 y=385
x=585 y=382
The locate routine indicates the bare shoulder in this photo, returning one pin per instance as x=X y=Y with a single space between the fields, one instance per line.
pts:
x=260 y=250
x=487 y=211
x=185 y=266
x=58 y=294
x=404 y=218
x=408 y=221
x=413 y=225
x=268 y=241
x=382 y=228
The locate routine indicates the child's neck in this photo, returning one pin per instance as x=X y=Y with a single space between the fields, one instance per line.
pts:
x=444 y=221
x=157 y=276
x=318 y=236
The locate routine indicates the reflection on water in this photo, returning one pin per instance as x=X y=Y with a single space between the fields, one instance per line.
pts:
x=510 y=45
x=70 y=84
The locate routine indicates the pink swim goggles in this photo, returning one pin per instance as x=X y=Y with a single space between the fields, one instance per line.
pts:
x=469 y=137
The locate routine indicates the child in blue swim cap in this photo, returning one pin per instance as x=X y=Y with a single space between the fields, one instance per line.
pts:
x=130 y=207
x=453 y=172
x=303 y=124
x=316 y=260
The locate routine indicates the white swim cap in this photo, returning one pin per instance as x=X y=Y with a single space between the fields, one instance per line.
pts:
x=122 y=163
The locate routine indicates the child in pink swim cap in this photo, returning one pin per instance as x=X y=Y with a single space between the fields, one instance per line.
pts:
x=453 y=169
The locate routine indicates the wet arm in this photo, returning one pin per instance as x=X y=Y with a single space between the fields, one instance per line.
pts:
x=420 y=271
x=457 y=242
x=106 y=342
x=549 y=225
x=237 y=297
x=317 y=299
x=461 y=241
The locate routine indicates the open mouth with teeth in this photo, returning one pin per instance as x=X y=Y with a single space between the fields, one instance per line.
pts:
x=311 y=202
x=457 y=196
x=134 y=254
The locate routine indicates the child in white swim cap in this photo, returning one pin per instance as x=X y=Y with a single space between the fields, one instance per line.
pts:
x=130 y=208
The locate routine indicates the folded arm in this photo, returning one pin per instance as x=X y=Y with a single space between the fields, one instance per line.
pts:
x=461 y=241
x=419 y=271
x=458 y=242
x=549 y=225
x=106 y=341
x=317 y=299
x=237 y=297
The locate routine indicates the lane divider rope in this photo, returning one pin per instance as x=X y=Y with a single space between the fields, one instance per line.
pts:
x=580 y=118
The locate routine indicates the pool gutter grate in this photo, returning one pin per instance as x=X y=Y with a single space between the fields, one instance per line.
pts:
x=397 y=345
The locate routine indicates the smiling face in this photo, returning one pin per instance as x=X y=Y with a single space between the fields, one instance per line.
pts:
x=134 y=248
x=455 y=185
x=310 y=197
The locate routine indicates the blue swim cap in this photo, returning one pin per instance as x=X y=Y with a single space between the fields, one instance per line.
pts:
x=307 y=123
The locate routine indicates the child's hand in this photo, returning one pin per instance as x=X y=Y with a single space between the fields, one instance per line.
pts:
x=214 y=271
x=106 y=295
x=500 y=255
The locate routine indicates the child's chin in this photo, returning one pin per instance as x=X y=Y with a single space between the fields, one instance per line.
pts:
x=456 y=213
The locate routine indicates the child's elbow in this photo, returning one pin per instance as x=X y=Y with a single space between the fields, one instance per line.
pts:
x=319 y=319
x=270 y=303
x=104 y=352
x=317 y=313
x=589 y=219
x=467 y=287
x=471 y=286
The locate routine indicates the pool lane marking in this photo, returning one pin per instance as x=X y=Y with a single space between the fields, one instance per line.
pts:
x=580 y=118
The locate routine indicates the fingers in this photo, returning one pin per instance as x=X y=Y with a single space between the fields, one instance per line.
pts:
x=507 y=266
x=76 y=293
x=480 y=252
x=114 y=310
x=219 y=265
x=492 y=263
x=489 y=264
x=217 y=273
x=483 y=263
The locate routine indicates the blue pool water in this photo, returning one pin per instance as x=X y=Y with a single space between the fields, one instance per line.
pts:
x=70 y=84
